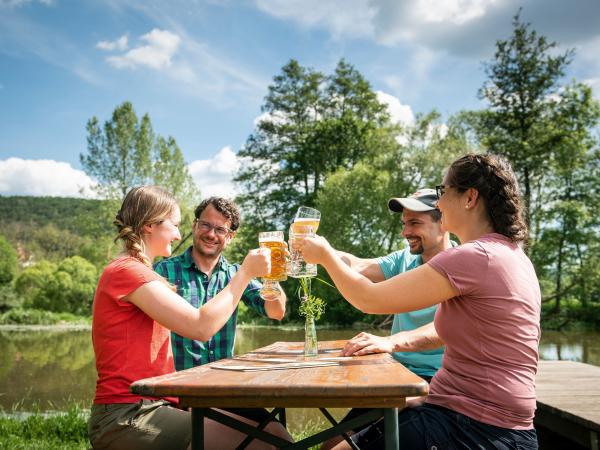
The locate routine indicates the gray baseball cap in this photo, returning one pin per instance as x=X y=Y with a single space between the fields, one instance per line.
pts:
x=422 y=200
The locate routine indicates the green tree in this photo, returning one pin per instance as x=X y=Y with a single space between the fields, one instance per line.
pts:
x=569 y=206
x=125 y=153
x=312 y=125
x=548 y=131
x=353 y=202
x=32 y=280
x=120 y=152
x=66 y=287
x=8 y=261
x=523 y=80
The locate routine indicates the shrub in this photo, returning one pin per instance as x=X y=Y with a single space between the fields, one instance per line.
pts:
x=19 y=316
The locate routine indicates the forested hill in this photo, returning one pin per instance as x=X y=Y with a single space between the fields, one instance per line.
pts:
x=73 y=214
x=54 y=228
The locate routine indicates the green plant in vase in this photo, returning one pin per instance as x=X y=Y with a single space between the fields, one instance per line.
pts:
x=311 y=308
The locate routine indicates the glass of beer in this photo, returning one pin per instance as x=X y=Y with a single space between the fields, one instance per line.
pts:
x=306 y=222
x=275 y=242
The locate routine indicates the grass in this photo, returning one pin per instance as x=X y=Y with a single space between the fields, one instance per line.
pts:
x=68 y=431
x=64 y=431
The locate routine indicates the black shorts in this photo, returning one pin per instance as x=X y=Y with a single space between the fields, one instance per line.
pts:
x=355 y=412
x=431 y=427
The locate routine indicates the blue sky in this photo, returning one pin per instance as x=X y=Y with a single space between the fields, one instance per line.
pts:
x=201 y=68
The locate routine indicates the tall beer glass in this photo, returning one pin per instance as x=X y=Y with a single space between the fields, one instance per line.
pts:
x=306 y=222
x=274 y=241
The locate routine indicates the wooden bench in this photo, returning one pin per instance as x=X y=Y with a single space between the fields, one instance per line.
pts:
x=568 y=404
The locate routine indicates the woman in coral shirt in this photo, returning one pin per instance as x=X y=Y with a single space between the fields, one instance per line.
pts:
x=133 y=313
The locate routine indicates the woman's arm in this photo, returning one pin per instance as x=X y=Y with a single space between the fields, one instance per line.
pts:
x=409 y=291
x=173 y=312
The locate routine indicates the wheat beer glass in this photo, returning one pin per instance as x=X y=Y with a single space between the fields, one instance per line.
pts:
x=275 y=242
x=306 y=223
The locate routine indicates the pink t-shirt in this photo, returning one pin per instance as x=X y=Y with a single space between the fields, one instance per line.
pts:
x=491 y=332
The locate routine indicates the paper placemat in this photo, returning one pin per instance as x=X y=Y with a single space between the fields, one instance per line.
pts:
x=298 y=365
x=290 y=360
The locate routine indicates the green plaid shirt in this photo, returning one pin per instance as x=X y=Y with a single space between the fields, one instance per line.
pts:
x=195 y=286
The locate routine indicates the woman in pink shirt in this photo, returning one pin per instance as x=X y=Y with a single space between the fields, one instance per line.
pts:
x=483 y=397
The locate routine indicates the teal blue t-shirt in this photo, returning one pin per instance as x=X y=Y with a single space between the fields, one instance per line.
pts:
x=425 y=362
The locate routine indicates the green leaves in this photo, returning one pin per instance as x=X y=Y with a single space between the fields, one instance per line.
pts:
x=126 y=153
x=312 y=307
x=312 y=126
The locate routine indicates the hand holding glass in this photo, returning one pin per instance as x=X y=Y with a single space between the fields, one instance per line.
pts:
x=305 y=224
x=274 y=241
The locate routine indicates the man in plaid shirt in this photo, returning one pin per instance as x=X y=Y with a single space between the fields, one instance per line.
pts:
x=201 y=272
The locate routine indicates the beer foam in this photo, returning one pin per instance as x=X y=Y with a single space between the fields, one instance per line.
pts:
x=306 y=219
x=270 y=239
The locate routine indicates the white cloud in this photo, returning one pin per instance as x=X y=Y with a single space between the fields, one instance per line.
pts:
x=399 y=113
x=17 y=3
x=42 y=177
x=453 y=11
x=340 y=17
x=463 y=27
x=118 y=44
x=214 y=176
x=160 y=47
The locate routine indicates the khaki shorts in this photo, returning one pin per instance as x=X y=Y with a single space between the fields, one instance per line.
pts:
x=145 y=424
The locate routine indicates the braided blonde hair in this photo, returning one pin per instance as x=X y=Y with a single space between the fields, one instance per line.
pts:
x=143 y=205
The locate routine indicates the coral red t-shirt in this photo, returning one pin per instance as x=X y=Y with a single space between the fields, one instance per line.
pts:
x=491 y=331
x=129 y=345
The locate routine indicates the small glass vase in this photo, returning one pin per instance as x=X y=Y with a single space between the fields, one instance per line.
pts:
x=310 y=337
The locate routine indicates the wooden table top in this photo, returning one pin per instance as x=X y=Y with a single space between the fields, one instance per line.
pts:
x=376 y=381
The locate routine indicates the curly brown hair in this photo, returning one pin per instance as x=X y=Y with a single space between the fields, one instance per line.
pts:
x=142 y=205
x=226 y=207
x=495 y=180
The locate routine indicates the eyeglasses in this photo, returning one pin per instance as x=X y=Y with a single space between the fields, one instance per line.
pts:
x=441 y=190
x=205 y=227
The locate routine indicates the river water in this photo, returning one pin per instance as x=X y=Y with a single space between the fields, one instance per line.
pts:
x=50 y=369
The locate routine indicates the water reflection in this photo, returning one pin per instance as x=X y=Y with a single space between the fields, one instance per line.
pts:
x=46 y=369
x=52 y=369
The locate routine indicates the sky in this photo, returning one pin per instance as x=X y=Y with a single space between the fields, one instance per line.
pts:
x=201 y=69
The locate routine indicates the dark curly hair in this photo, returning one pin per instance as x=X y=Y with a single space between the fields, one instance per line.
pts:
x=226 y=207
x=495 y=180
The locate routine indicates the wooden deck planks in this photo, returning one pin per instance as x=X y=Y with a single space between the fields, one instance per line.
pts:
x=568 y=400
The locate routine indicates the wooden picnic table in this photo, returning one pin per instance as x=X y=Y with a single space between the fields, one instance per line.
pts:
x=372 y=381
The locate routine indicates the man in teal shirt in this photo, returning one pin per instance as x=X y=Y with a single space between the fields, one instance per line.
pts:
x=414 y=341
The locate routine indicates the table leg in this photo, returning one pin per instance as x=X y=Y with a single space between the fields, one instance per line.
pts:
x=197 y=428
x=390 y=418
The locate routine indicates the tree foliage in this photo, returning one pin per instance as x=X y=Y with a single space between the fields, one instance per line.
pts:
x=8 y=261
x=65 y=287
x=353 y=202
x=523 y=82
x=312 y=125
x=125 y=153
x=547 y=129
